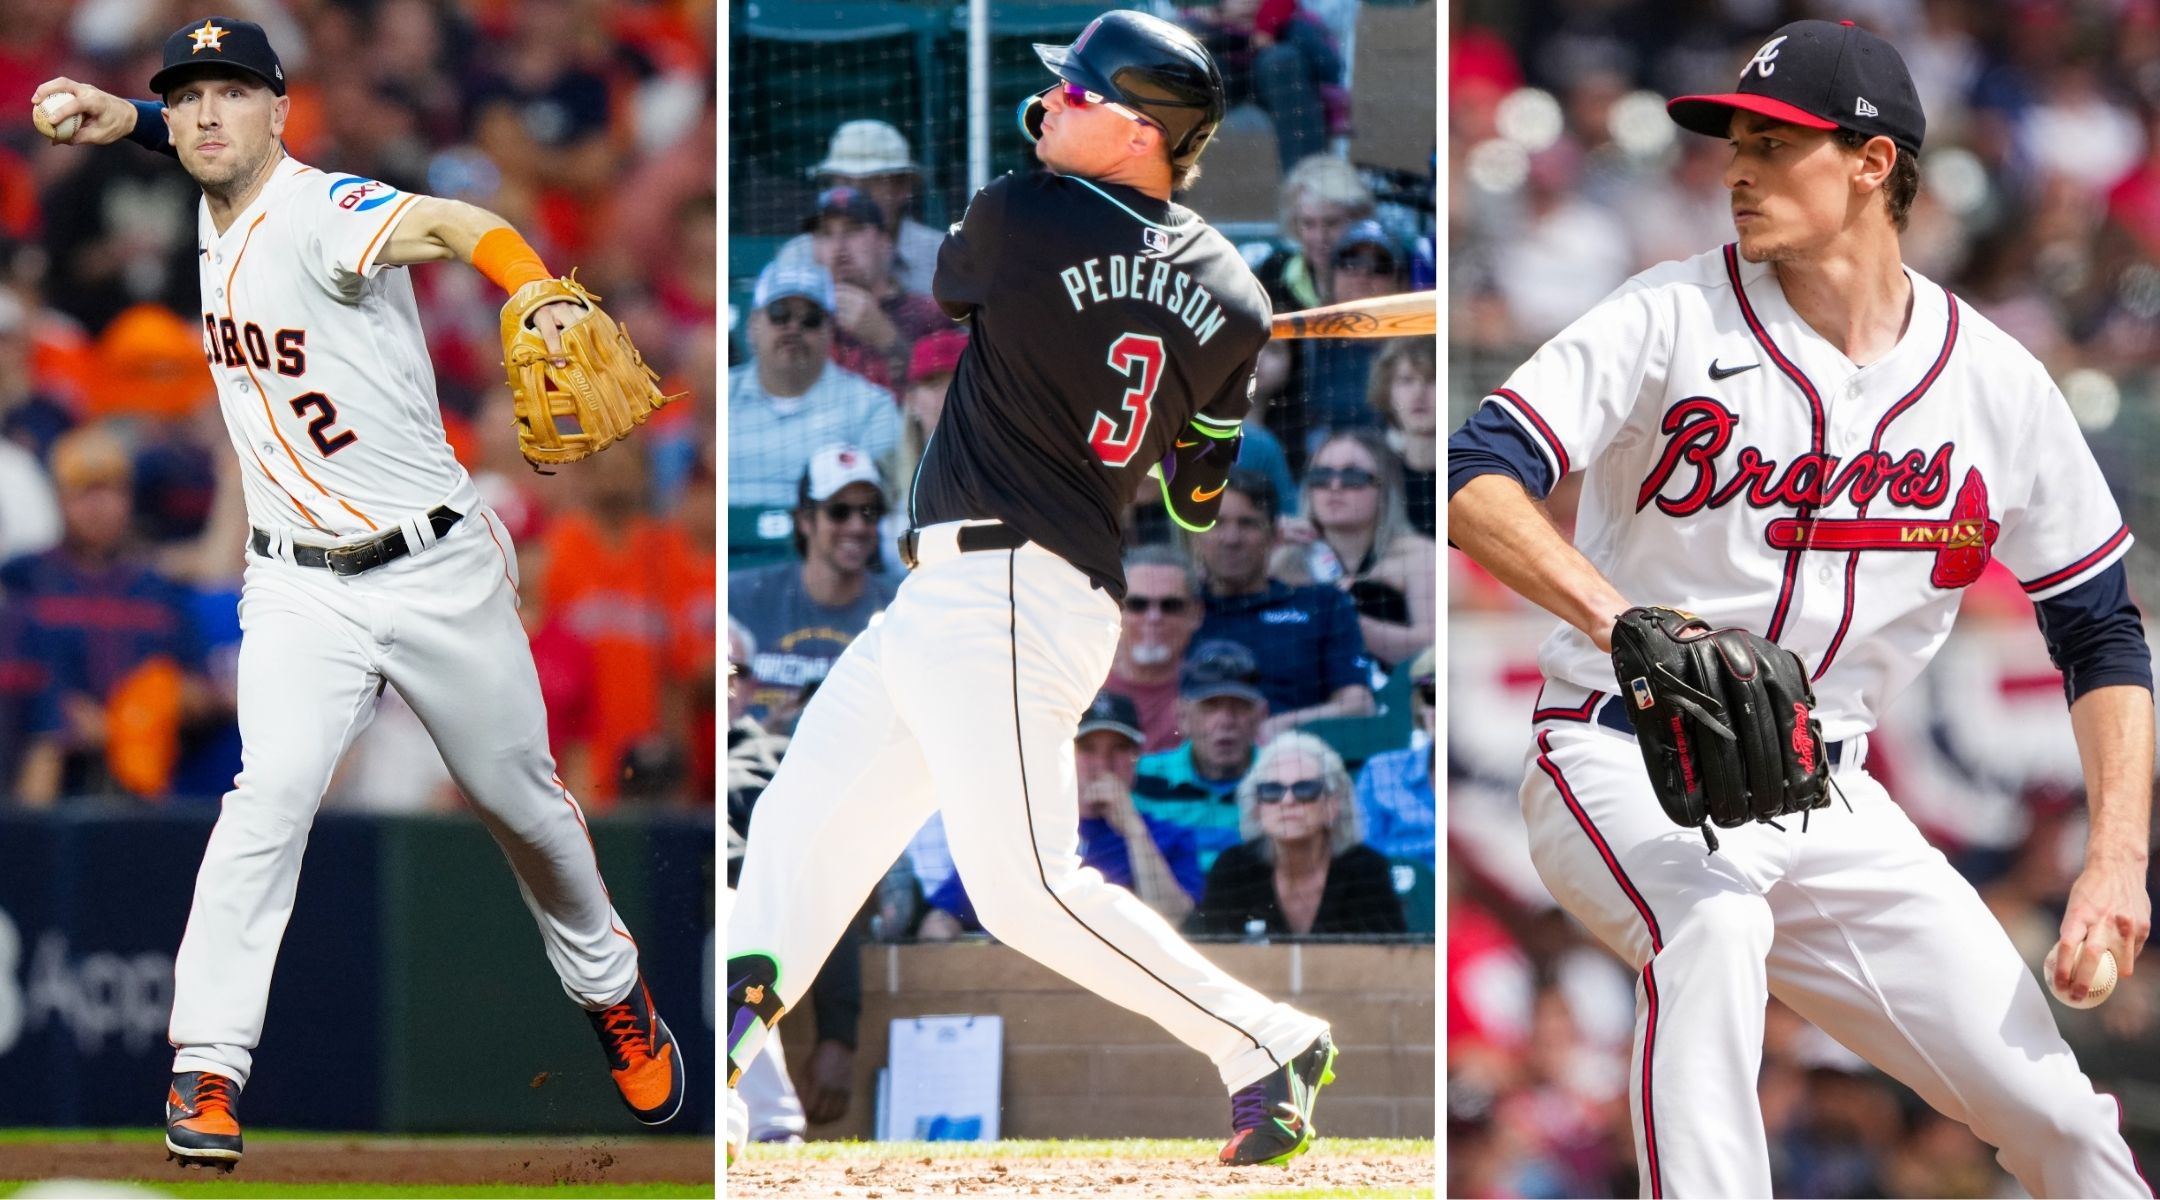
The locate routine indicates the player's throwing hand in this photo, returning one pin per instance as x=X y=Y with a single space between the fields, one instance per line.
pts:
x=2109 y=910
x=106 y=118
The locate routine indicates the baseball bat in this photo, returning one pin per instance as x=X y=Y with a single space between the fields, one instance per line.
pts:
x=1408 y=315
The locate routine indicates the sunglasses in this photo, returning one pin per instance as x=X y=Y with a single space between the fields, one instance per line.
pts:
x=784 y=315
x=1080 y=97
x=1169 y=606
x=1340 y=477
x=1427 y=692
x=1304 y=791
x=738 y=667
x=838 y=513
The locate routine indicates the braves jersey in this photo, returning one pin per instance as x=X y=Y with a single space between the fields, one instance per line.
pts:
x=321 y=366
x=1105 y=321
x=1739 y=466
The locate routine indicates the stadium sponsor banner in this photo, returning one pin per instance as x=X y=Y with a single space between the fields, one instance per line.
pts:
x=93 y=902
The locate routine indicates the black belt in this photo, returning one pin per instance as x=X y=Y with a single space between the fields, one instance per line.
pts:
x=361 y=556
x=994 y=536
x=1612 y=716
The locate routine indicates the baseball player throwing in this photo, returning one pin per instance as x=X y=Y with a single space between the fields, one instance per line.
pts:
x=1799 y=436
x=372 y=562
x=1114 y=332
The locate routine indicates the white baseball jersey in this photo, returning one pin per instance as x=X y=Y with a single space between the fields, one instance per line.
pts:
x=321 y=365
x=1740 y=467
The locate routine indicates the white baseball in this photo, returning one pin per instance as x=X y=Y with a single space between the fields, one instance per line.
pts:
x=61 y=131
x=2103 y=984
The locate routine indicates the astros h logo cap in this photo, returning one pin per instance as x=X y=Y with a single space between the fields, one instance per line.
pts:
x=1818 y=75
x=219 y=42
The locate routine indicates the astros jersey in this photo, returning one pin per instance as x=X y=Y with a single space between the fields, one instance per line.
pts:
x=1742 y=468
x=1104 y=320
x=321 y=366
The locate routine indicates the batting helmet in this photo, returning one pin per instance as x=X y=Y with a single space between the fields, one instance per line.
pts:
x=1146 y=64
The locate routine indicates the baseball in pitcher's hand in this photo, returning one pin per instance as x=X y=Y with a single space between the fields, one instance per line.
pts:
x=106 y=118
x=2108 y=910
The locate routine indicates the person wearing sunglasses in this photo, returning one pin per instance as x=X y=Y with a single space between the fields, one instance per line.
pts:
x=1113 y=338
x=791 y=398
x=1356 y=535
x=1220 y=709
x=1162 y=609
x=1303 y=867
x=804 y=613
x=1395 y=794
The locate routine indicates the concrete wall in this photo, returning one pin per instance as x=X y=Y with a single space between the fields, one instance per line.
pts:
x=1079 y=1066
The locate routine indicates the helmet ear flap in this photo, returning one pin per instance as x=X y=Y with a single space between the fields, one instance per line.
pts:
x=1031 y=115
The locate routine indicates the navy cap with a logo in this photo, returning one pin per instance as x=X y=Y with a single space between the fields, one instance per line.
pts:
x=843 y=201
x=1220 y=668
x=224 y=42
x=1115 y=712
x=1819 y=75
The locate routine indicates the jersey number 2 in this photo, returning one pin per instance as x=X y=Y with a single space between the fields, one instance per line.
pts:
x=1145 y=351
x=319 y=428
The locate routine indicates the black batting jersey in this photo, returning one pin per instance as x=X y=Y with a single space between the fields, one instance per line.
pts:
x=1104 y=321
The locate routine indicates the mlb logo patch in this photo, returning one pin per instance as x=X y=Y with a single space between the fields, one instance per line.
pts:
x=1156 y=241
x=1641 y=688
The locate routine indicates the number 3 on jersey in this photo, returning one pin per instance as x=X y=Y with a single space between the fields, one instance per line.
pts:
x=1145 y=351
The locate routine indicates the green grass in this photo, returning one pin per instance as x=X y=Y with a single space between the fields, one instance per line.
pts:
x=1165 y=1148
x=397 y=1191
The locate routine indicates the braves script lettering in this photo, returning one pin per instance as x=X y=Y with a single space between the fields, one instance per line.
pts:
x=1688 y=477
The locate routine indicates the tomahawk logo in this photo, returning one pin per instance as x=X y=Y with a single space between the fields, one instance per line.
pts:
x=1765 y=60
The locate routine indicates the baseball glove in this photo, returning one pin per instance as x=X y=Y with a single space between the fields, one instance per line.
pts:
x=1726 y=720
x=603 y=392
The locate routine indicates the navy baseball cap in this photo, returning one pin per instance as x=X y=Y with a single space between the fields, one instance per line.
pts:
x=1220 y=668
x=1818 y=75
x=843 y=201
x=226 y=42
x=1115 y=712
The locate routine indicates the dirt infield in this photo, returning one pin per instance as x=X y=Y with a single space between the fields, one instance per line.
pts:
x=783 y=1173
x=538 y=1162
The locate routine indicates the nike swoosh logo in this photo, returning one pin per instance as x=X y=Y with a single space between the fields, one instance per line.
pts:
x=1183 y=445
x=1718 y=372
x=1200 y=498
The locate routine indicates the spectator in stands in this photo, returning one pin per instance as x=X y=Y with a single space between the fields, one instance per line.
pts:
x=1395 y=795
x=1320 y=199
x=930 y=371
x=1152 y=858
x=1162 y=609
x=1273 y=53
x=791 y=398
x=28 y=712
x=1403 y=390
x=874 y=157
x=1195 y=784
x=117 y=642
x=1306 y=639
x=1356 y=536
x=1337 y=372
x=541 y=110
x=1302 y=868
x=804 y=613
x=29 y=416
x=753 y=753
x=617 y=573
x=29 y=512
x=878 y=320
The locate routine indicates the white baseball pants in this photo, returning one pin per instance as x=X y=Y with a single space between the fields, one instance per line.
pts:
x=1856 y=923
x=964 y=699
x=316 y=650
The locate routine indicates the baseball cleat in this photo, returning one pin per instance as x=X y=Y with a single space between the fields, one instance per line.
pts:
x=200 y=1128
x=1272 y=1118
x=642 y=1055
x=753 y=1009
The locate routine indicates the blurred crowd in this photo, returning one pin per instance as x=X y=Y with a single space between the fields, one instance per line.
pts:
x=591 y=126
x=1260 y=762
x=2037 y=207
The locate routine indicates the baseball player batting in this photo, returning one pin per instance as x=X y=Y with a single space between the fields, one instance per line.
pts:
x=1799 y=439
x=372 y=562
x=1114 y=337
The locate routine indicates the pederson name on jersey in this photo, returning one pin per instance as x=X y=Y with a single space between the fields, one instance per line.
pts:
x=1136 y=277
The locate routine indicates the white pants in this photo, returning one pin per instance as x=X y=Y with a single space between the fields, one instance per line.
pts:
x=1857 y=924
x=964 y=699
x=316 y=650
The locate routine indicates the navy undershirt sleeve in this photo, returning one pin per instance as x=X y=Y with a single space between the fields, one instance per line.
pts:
x=150 y=132
x=2095 y=635
x=1491 y=443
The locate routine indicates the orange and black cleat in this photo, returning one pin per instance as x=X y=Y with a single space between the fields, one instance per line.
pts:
x=642 y=1056
x=200 y=1128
